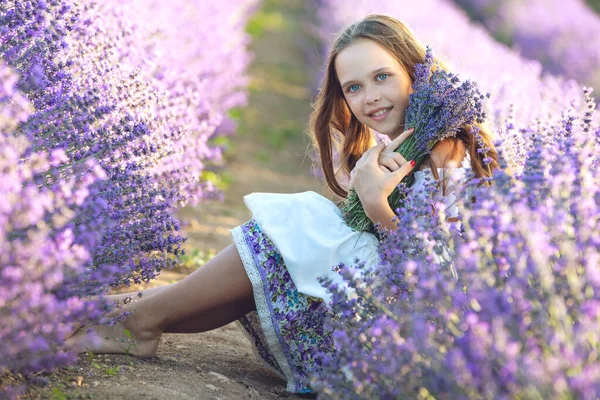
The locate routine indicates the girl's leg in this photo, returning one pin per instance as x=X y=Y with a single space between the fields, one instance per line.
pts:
x=209 y=320
x=121 y=297
x=212 y=296
x=214 y=318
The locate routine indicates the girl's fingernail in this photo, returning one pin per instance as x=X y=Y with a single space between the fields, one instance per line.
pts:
x=412 y=163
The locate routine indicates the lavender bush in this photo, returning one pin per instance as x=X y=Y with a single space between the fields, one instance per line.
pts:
x=193 y=74
x=48 y=228
x=557 y=33
x=110 y=96
x=522 y=320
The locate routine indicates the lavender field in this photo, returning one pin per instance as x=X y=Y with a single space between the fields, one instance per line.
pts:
x=129 y=132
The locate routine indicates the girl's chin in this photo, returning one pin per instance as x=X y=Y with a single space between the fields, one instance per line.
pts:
x=388 y=127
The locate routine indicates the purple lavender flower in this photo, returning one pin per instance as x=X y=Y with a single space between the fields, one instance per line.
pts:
x=41 y=255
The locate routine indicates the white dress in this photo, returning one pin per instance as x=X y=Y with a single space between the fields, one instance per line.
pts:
x=312 y=237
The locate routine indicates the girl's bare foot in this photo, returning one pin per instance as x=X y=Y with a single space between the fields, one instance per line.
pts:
x=114 y=301
x=124 y=337
x=73 y=329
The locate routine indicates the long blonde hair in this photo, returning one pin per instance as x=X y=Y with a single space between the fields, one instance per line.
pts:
x=333 y=124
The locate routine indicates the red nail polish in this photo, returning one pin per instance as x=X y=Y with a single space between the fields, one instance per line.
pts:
x=412 y=163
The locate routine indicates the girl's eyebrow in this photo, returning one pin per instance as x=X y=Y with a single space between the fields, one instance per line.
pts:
x=372 y=73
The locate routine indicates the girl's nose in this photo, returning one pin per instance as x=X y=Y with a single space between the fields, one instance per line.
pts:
x=372 y=96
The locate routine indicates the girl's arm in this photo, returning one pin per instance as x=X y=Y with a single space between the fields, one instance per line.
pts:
x=380 y=212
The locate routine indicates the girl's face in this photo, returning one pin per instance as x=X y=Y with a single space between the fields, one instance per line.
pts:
x=375 y=86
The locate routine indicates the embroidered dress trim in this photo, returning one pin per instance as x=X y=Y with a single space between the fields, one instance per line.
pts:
x=255 y=351
x=267 y=292
x=262 y=305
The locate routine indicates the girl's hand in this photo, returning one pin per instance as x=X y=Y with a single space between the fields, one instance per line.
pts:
x=374 y=183
x=389 y=160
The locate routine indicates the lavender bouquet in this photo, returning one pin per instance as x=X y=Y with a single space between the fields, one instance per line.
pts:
x=438 y=107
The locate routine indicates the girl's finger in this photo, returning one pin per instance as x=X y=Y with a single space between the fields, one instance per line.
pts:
x=399 y=159
x=361 y=160
x=393 y=145
x=402 y=172
x=389 y=163
x=374 y=152
x=365 y=155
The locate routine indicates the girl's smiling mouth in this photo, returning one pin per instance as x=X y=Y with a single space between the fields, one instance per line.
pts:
x=380 y=114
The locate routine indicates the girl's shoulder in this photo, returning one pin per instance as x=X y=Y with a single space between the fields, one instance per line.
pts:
x=448 y=153
x=453 y=169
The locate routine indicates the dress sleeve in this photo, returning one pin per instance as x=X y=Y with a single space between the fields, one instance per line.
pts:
x=452 y=180
x=452 y=186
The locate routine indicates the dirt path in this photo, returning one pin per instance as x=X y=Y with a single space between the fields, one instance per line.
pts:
x=267 y=154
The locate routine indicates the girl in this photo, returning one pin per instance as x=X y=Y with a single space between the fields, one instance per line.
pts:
x=267 y=280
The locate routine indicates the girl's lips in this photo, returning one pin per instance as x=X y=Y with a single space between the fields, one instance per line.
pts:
x=382 y=116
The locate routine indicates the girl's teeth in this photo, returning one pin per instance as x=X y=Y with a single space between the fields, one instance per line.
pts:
x=380 y=112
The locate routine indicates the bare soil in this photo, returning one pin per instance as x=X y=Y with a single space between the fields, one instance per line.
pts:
x=267 y=154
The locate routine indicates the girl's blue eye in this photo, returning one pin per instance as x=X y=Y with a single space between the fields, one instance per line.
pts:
x=384 y=75
x=352 y=86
